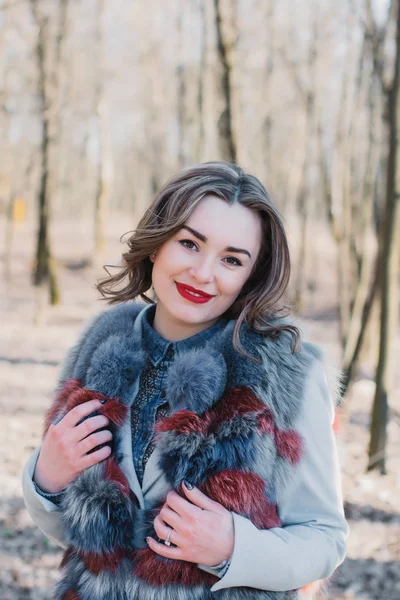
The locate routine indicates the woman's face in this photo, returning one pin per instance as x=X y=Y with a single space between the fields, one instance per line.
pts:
x=213 y=255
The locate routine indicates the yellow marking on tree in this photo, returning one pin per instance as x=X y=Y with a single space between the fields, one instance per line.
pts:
x=19 y=210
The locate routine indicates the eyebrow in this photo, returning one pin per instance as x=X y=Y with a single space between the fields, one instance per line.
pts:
x=203 y=238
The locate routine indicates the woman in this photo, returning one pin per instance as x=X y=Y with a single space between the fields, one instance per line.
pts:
x=189 y=452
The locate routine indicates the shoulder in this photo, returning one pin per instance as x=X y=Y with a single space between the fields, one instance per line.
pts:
x=117 y=321
x=279 y=349
x=120 y=316
x=307 y=367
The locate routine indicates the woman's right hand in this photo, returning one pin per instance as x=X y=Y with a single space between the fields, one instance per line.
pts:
x=63 y=454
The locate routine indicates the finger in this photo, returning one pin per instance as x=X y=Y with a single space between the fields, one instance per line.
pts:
x=163 y=550
x=89 y=426
x=79 y=412
x=170 y=517
x=93 y=440
x=162 y=530
x=181 y=505
x=88 y=460
x=199 y=499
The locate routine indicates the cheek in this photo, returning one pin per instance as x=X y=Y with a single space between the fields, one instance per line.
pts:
x=170 y=258
x=232 y=283
x=168 y=264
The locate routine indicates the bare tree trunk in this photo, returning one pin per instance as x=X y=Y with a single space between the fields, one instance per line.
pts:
x=307 y=92
x=7 y=197
x=388 y=269
x=44 y=274
x=365 y=291
x=345 y=231
x=200 y=88
x=226 y=136
x=42 y=269
x=343 y=287
x=356 y=279
x=104 y=180
x=181 y=89
x=303 y=206
x=105 y=163
x=352 y=359
x=269 y=70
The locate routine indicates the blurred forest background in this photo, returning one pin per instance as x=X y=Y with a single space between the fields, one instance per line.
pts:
x=100 y=103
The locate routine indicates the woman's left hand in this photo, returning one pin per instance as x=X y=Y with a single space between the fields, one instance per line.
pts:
x=202 y=529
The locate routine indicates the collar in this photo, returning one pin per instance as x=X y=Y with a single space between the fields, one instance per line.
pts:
x=158 y=348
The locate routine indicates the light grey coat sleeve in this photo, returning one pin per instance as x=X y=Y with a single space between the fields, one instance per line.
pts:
x=311 y=543
x=43 y=512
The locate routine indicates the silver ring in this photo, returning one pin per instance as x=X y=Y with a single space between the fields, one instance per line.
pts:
x=167 y=541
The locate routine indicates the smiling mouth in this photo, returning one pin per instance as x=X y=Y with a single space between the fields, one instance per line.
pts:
x=190 y=293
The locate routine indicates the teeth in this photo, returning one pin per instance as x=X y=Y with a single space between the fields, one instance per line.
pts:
x=194 y=294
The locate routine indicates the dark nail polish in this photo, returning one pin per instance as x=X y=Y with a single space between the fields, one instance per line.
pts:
x=188 y=485
x=147 y=540
x=103 y=400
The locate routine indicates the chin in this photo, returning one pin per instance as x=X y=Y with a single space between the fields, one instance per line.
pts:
x=191 y=314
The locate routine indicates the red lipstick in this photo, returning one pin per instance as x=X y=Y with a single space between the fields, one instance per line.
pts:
x=187 y=292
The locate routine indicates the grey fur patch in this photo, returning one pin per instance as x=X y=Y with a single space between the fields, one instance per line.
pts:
x=243 y=425
x=115 y=367
x=144 y=526
x=282 y=475
x=110 y=586
x=71 y=575
x=118 y=319
x=123 y=586
x=247 y=593
x=174 y=592
x=265 y=457
x=196 y=380
x=97 y=517
x=279 y=380
x=185 y=444
x=283 y=387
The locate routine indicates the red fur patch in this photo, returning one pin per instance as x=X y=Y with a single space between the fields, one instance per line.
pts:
x=237 y=402
x=266 y=422
x=58 y=406
x=82 y=395
x=70 y=595
x=114 y=410
x=72 y=394
x=183 y=421
x=157 y=570
x=243 y=493
x=289 y=445
x=114 y=473
x=96 y=563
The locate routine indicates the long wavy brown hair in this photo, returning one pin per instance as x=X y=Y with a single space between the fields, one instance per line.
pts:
x=259 y=302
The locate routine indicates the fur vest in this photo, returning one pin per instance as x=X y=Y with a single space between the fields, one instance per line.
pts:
x=229 y=432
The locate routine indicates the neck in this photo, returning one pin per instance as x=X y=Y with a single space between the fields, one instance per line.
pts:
x=174 y=330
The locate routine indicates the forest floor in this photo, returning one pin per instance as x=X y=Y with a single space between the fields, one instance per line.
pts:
x=30 y=355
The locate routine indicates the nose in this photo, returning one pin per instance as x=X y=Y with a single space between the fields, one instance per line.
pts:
x=203 y=270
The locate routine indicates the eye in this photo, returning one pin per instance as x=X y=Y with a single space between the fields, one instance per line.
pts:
x=236 y=262
x=189 y=244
